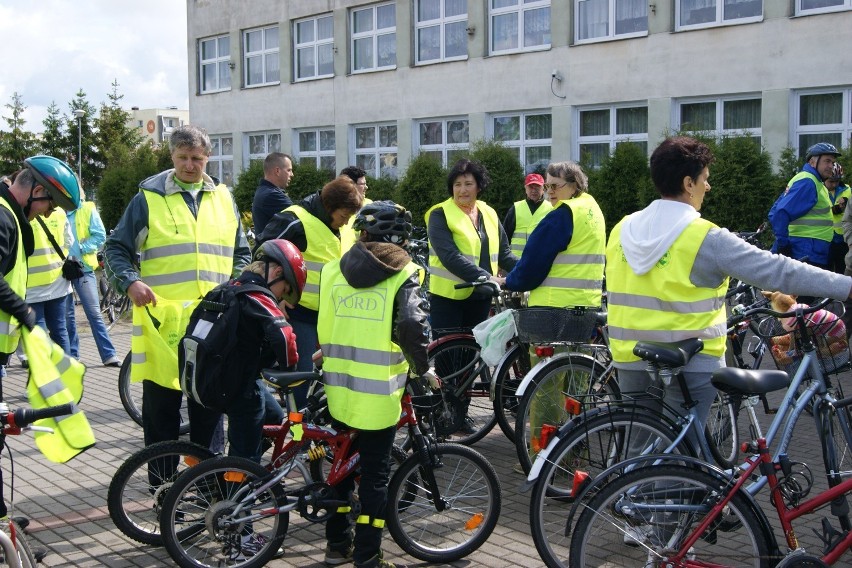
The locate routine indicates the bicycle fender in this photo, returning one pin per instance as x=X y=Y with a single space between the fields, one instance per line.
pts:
x=451 y=337
x=537 y=368
x=492 y=390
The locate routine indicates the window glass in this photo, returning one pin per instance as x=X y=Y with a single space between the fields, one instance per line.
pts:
x=594 y=122
x=821 y=109
x=698 y=116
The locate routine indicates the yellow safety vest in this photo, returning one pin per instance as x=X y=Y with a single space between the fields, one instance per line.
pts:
x=348 y=236
x=56 y=378
x=45 y=265
x=323 y=247
x=576 y=276
x=841 y=192
x=16 y=278
x=364 y=372
x=662 y=304
x=82 y=219
x=525 y=222
x=466 y=238
x=818 y=222
x=156 y=333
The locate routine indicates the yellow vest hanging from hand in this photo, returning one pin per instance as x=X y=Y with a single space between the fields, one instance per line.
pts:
x=156 y=333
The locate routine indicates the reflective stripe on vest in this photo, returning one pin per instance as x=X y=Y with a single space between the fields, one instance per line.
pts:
x=525 y=222
x=323 y=246
x=662 y=304
x=16 y=278
x=154 y=341
x=45 y=265
x=364 y=372
x=576 y=276
x=466 y=238
x=82 y=221
x=818 y=222
x=841 y=192
x=184 y=257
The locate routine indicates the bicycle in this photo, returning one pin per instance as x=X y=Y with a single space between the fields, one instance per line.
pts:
x=113 y=304
x=130 y=394
x=444 y=499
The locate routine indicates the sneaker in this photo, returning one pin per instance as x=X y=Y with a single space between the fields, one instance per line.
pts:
x=339 y=554
x=378 y=561
x=518 y=468
x=467 y=426
x=251 y=544
x=112 y=362
x=25 y=363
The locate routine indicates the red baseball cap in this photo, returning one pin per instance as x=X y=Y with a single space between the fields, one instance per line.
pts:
x=534 y=178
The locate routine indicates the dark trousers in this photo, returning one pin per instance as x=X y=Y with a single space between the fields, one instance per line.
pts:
x=161 y=416
x=447 y=314
x=837 y=256
x=246 y=416
x=375 y=449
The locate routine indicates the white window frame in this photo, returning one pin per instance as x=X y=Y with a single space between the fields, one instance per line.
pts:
x=523 y=143
x=441 y=22
x=444 y=146
x=720 y=131
x=217 y=160
x=269 y=136
x=373 y=34
x=315 y=45
x=843 y=128
x=318 y=154
x=520 y=8
x=378 y=151
x=613 y=139
x=611 y=34
x=219 y=60
x=264 y=53
x=800 y=11
x=720 y=18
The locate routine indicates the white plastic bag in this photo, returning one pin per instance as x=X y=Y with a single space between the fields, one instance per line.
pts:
x=493 y=334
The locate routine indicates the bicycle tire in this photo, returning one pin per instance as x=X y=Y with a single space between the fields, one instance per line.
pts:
x=134 y=501
x=721 y=431
x=507 y=377
x=592 y=446
x=22 y=548
x=130 y=394
x=540 y=395
x=467 y=485
x=836 y=426
x=600 y=536
x=200 y=497
x=454 y=361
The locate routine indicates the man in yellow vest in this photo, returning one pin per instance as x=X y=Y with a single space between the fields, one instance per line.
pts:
x=185 y=227
x=523 y=216
x=372 y=329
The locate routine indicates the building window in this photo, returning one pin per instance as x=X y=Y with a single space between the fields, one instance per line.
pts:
x=440 y=30
x=446 y=140
x=722 y=117
x=261 y=64
x=316 y=146
x=594 y=18
x=221 y=162
x=260 y=144
x=519 y=25
x=823 y=116
x=214 y=63
x=807 y=7
x=601 y=129
x=140 y=123
x=314 y=48
x=702 y=13
x=530 y=135
x=374 y=38
x=376 y=149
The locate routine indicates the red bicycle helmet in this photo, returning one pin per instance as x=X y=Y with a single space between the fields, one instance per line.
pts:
x=287 y=255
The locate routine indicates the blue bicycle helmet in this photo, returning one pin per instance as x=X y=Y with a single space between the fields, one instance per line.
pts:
x=58 y=179
x=821 y=148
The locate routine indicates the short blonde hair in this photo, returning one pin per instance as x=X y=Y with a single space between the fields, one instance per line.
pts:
x=258 y=267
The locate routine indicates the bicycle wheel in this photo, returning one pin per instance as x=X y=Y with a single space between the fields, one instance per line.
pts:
x=508 y=375
x=22 y=547
x=468 y=491
x=604 y=439
x=642 y=517
x=198 y=522
x=543 y=402
x=136 y=492
x=465 y=418
x=130 y=394
x=835 y=427
x=721 y=431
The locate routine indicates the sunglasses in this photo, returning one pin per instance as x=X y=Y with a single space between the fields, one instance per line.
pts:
x=550 y=186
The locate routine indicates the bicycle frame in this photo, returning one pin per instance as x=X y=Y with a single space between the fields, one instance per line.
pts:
x=10 y=550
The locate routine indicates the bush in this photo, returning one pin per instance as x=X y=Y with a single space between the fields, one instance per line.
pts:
x=423 y=185
x=307 y=179
x=622 y=185
x=247 y=184
x=381 y=189
x=506 y=172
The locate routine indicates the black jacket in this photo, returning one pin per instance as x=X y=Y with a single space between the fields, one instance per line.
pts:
x=269 y=199
x=10 y=302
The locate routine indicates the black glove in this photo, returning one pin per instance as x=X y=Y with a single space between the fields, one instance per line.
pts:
x=786 y=250
x=29 y=319
x=839 y=207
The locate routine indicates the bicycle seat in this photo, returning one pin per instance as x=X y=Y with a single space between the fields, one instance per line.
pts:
x=288 y=379
x=733 y=380
x=675 y=354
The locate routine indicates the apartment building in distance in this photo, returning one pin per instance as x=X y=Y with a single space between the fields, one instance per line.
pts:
x=157 y=124
x=339 y=82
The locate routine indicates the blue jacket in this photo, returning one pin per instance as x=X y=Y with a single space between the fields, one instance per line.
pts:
x=797 y=200
x=550 y=237
x=268 y=200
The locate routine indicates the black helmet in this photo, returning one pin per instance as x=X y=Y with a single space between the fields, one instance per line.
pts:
x=820 y=149
x=385 y=220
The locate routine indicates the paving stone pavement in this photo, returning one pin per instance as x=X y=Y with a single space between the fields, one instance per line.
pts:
x=67 y=502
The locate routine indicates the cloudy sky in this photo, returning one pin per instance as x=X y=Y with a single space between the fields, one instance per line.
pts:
x=50 y=49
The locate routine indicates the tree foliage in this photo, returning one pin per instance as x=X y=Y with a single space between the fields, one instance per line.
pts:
x=423 y=185
x=247 y=184
x=307 y=179
x=16 y=144
x=53 y=142
x=622 y=185
x=120 y=182
x=506 y=173
x=80 y=136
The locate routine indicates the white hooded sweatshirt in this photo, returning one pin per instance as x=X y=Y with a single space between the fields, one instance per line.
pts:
x=647 y=234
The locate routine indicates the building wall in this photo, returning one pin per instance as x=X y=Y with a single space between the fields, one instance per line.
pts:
x=153 y=123
x=772 y=59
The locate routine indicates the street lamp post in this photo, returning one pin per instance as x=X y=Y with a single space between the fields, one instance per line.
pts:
x=80 y=113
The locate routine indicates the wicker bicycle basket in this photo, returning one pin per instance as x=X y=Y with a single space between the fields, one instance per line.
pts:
x=555 y=325
x=827 y=332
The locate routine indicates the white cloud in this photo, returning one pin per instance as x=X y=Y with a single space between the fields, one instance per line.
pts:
x=51 y=49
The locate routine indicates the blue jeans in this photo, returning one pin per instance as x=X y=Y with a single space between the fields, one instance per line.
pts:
x=247 y=414
x=87 y=290
x=51 y=316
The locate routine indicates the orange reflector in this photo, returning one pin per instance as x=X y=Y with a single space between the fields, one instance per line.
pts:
x=580 y=478
x=544 y=351
x=573 y=406
x=744 y=447
x=474 y=522
x=295 y=417
x=547 y=432
x=234 y=476
x=191 y=460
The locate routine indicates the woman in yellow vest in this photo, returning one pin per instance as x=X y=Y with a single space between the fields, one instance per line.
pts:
x=667 y=273
x=348 y=236
x=839 y=193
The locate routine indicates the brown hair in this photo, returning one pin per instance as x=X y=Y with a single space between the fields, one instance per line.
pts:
x=341 y=193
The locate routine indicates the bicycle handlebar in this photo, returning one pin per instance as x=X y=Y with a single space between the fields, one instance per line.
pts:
x=495 y=287
x=770 y=312
x=23 y=417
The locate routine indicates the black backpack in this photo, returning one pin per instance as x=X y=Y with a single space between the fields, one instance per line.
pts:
x=209 y=369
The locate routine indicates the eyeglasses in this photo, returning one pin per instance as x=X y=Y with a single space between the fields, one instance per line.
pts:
x=550 y=186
